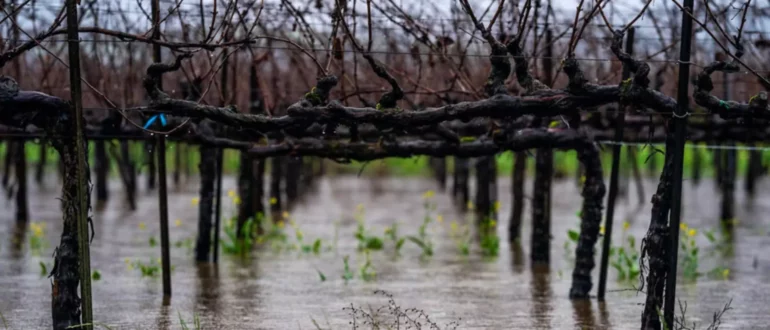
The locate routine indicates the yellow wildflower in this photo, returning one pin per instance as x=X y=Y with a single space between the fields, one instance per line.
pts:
x=159 y=261
x=273 y=201
x=428 y=194
x=470 y=205
x=601 y=230
x=128 y=261
x=142 y=226
x=195 y=201
x=692 y=232
x=496 y=206
x=178 y=222
x=492 y=223
x=237 y=200
x=453 y=225
x=360 y=207
x=626 y=225
x=299 y=234
x=683 y=226
x=285 y=215
x=281 y=224
x=725 y=273
x=37 y=229
x=231 y=193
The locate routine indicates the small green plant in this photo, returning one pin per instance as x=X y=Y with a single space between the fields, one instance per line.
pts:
x=422 y=239
x=153 y=241
x=461 y=237
x=37 y=240
x=490 y=242
x=347 y=275
x=365 y=241
x=315 y=247
x=490 y=245
x=232 y=244
x=96 y=275
x=196 y=322
x=690 y=253
x=321 y=275
x=367 y=271
x=43 y=269
x=187 y=244
x=151 y=269
x=392 y=233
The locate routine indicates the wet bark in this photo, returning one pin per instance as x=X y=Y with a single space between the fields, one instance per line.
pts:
x=10 y=153
x=246 y=187
x=22 y=206
x=541 y=207
x=277 y=165
x=128 y=174
x=208 y=174
x=177 y=162
x=753 y=171
x=438 y=165
x=696 y=165
x=718 y=164
x=293 y=167
x=102 y=171
x=728 y=189
x=590 y=220
x=517 y=187
x=150 y=159
x=637 y=174
x=65 y=302
x=655 y=244
x=40 y=170
x=461 y=190
x=484 y=175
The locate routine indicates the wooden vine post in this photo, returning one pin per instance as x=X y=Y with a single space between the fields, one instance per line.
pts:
x=84 y=258
x=680 y=120
x=161 y=154
x=614 y=173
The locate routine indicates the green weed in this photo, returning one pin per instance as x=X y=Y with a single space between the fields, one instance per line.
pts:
x=625 y=258
x=196 y=322
x=461 y=236
x=151 y=269
x=365 y=240
x=392 y=233
x=37 y=240
x=367 y=271
x=96 y=275
x=347 y=275
x=422 y=238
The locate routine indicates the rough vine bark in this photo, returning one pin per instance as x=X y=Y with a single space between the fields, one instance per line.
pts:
x=590 y=220
x=517 y=187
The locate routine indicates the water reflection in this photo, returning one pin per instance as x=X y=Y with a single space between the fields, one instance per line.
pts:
x=541 y=296
x=208 y=287
x=583 y=313
x=517 y=257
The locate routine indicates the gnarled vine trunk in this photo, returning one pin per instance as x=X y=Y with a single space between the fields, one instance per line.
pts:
x=590 y=220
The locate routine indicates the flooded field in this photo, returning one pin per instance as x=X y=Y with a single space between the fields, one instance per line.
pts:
x=273 y=290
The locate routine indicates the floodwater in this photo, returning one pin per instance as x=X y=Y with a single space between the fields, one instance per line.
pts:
x=283 y=290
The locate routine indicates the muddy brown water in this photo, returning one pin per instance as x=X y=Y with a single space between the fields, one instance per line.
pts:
x=283 y=290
